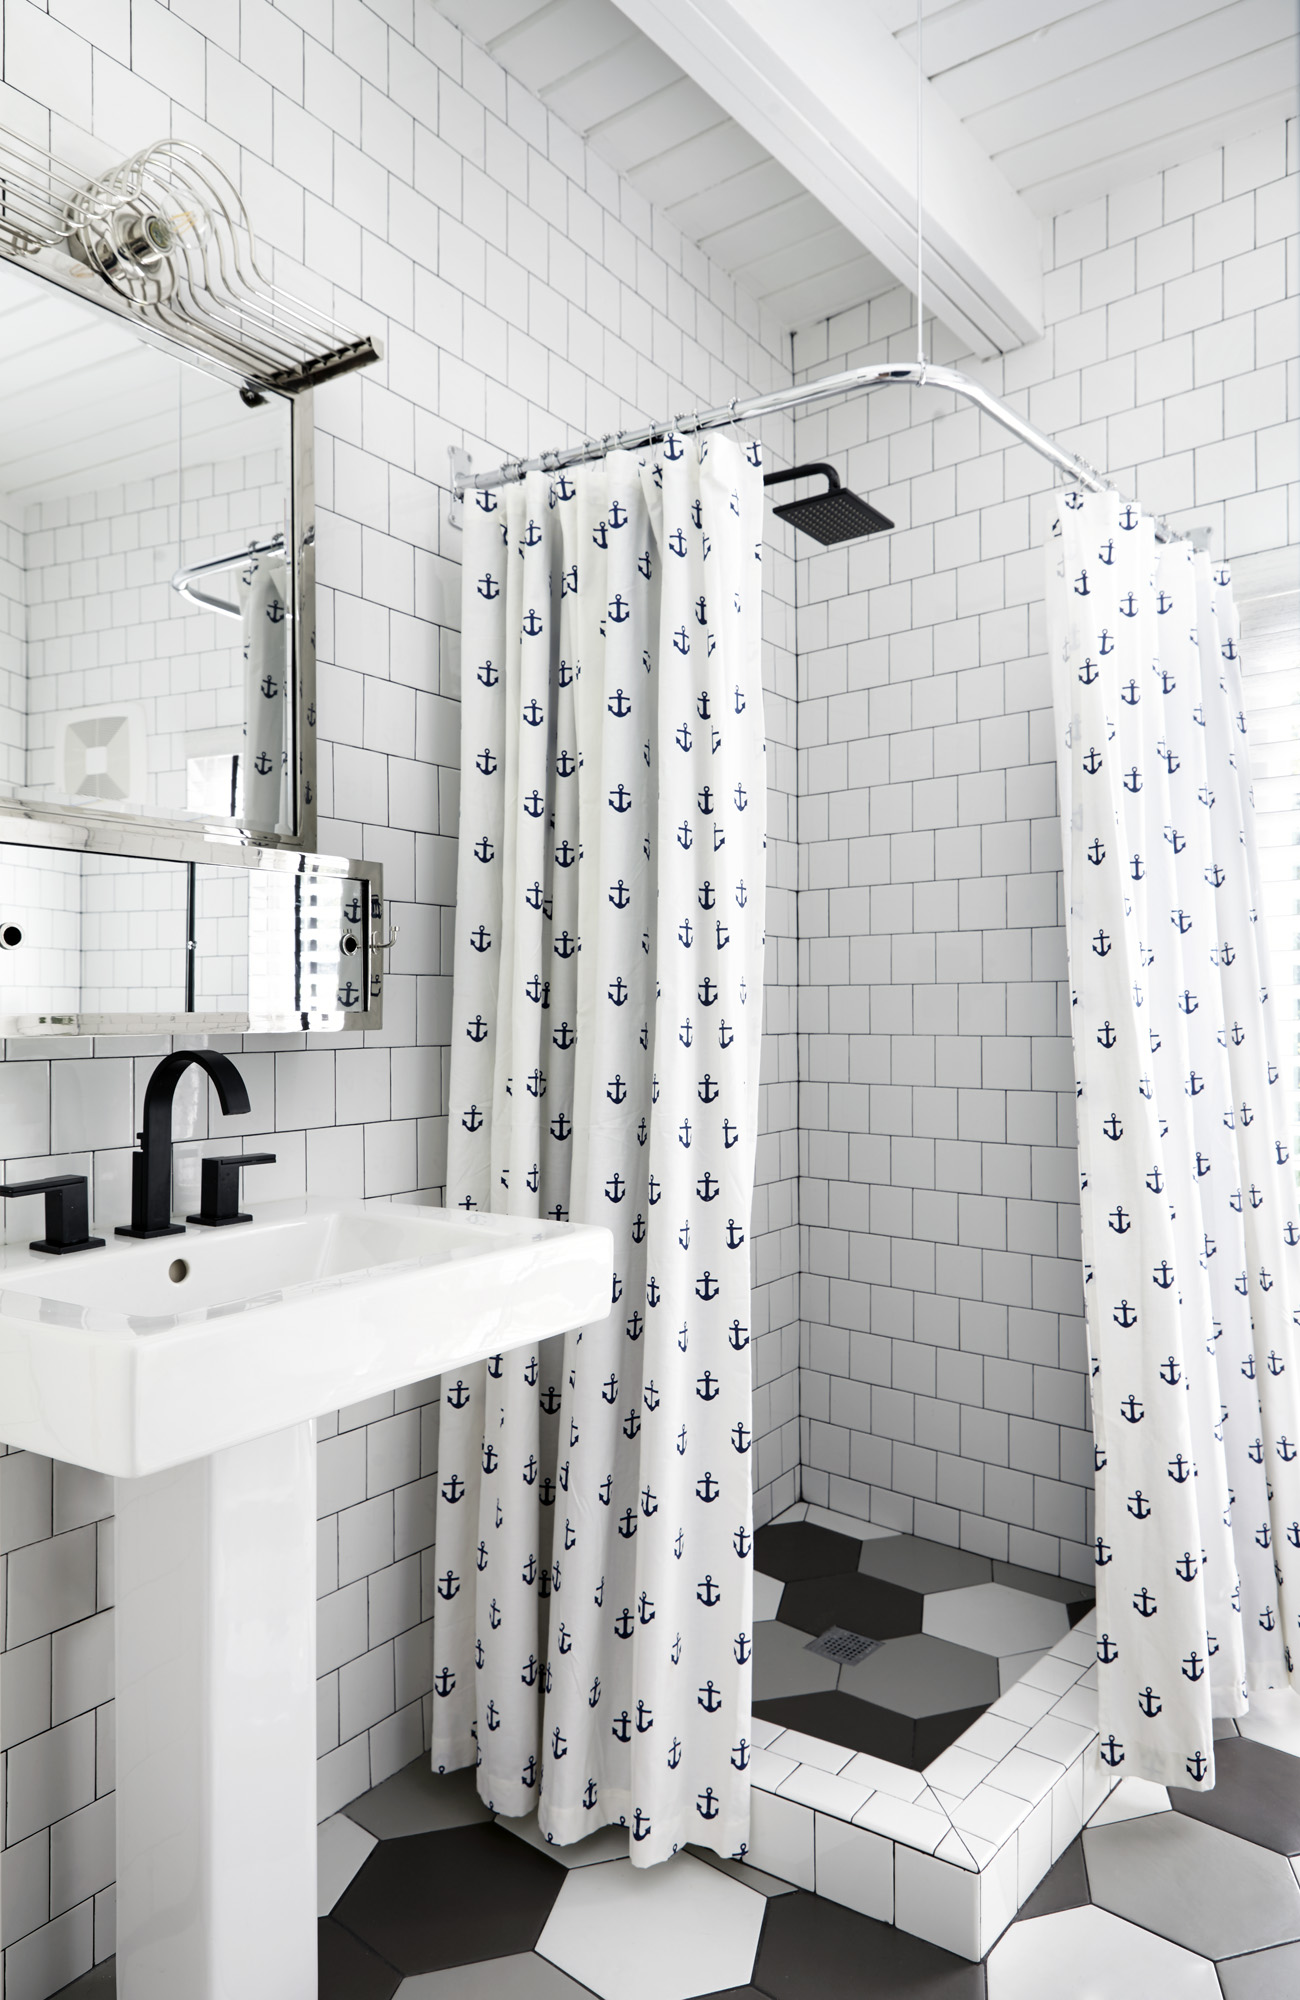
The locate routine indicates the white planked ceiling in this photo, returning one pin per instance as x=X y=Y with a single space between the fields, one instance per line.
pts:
x=1073 y=100
x=602 y=76
x=1070 y=100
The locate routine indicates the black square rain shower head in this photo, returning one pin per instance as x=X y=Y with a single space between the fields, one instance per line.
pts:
x=833 y=516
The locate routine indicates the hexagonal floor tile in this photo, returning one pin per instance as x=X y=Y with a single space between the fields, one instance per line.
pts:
x=1078 y=1598
x=1274 y=1718
x=608 y=1843
x=1064 y=1887
x=767 y=1595
x=1256 y=1794
x=101 y=1984
x=1201 y=1888
x=341 y=1847
x=876 y=1732
x=921 y=1565
x=816 y=1948
x=654 y=1933
x=796 y=1549
x=524 y=1976
x=859 y=1603
x=1262 y=1975
x=990 y=1618
x=347 y=1969
x=417 y=1799
x=440 y=1899
x=783 y=1665
x=1132 y=1798
x=1085 y=1954
x=922 y=1675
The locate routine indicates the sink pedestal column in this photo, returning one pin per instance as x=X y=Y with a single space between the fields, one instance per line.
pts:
x=216 y=1726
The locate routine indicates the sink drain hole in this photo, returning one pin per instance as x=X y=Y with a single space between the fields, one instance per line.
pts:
x=178 y=1270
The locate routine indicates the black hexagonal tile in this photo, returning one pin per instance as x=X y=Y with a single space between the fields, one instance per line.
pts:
x=840 y=1718
x=859 y=1725
x=1256 y=1794
x=439 y=1899
x=799 y=1549
x=859 y=1603
x=348 y=1969
x=815 y=1950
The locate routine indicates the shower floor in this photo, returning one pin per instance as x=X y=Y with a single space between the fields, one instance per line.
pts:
x=955 y=1631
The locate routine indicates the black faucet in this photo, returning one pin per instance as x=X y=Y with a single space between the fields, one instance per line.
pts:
x=151 y=1167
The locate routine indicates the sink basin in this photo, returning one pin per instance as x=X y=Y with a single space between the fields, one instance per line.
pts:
x=109 y=1361
x=191 y=1367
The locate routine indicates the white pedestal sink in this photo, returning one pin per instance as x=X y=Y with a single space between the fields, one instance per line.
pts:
x=190 y=1367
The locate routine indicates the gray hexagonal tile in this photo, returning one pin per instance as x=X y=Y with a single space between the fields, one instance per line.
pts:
x=783 y=1665
x=1194 y=1884
x=1084 y=1954
x=524 y=1976
x=922 y=1675
x=608 y=1843
x=924 y=1566
x=990 y=1618
x=1262 y=1975
x=419 y=1800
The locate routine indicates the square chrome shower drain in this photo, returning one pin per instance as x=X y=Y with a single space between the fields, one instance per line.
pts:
x=847 y=1649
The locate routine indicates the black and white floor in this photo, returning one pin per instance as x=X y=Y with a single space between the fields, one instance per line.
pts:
x=424 y=1896
x=429 y=1899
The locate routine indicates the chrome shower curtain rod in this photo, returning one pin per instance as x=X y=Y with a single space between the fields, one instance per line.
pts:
x=918 y=374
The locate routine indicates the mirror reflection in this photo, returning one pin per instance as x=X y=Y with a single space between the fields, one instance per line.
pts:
x=96 y=943
x=145 y=601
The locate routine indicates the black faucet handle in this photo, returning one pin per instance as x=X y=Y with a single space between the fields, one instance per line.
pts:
x=219 y=1187
x=67 y=1212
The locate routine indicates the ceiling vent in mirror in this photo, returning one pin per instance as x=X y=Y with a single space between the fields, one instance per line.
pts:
x=168 y=233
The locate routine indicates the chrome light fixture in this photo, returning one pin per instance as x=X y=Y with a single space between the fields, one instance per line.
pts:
x=167 y=231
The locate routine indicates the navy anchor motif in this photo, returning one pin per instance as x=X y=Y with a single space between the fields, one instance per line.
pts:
x=1190 y=1213
x=587 y=685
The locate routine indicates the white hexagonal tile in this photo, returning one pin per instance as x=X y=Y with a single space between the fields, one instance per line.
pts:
x=1086 y=1953
x=991 y=1618
x=341 y=1847
x=654 y=1933
x=767 y=1595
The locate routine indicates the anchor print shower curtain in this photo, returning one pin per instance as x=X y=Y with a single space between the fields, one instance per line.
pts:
x=592 y=1631
x=1190 y=1225
x=263 y=606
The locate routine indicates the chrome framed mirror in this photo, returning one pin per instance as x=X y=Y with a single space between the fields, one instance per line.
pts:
x=157 y=504
x=111 y=930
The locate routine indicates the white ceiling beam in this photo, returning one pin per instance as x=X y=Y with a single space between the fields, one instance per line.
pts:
x=831 y=95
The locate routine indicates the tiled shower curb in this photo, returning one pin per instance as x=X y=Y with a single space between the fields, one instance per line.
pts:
x=949 y=1853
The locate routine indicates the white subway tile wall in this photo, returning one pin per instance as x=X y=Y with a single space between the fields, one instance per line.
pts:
x=398 y=175
x=943 y=1386
x=104 y=625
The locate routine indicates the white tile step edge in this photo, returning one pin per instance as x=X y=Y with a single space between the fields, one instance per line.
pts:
x=950 y=1853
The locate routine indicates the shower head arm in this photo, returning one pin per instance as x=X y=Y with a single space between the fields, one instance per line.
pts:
x=804 y=472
